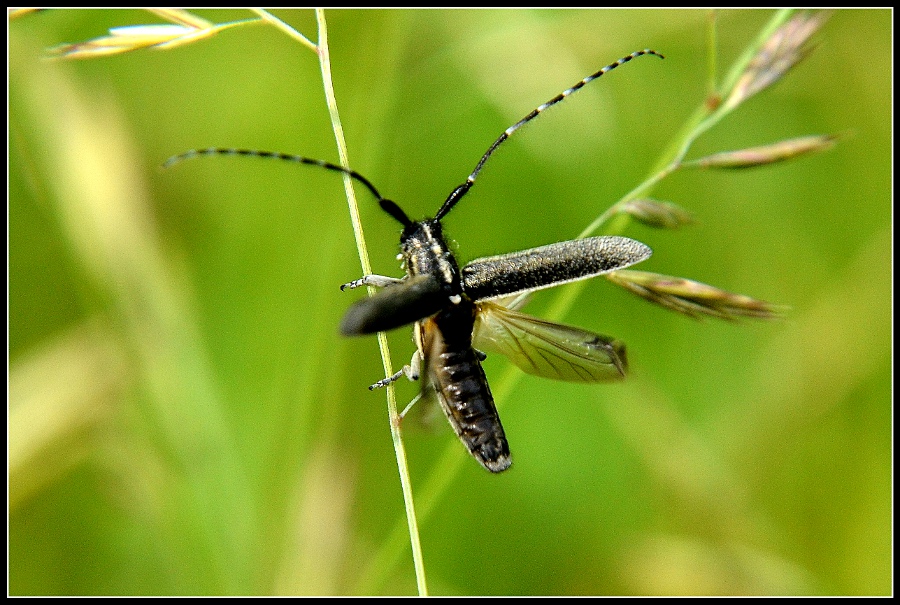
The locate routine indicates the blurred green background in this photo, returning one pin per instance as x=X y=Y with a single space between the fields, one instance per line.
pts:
x=185 y=419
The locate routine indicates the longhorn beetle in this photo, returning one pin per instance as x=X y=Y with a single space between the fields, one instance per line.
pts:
x=453 y=309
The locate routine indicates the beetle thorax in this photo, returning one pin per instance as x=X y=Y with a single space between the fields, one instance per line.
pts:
x=425 y=252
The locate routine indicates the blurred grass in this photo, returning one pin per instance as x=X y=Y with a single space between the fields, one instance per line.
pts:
x=184 y=418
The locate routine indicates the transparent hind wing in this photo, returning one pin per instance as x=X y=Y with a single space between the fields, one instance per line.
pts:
x=548 y=349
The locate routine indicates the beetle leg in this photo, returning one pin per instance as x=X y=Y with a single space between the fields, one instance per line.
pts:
x=411 y=371
x=386 y=381
x=379 y=281
x=408 y=407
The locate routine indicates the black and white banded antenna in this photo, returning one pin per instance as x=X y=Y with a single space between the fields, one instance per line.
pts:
x=387 y=205
x=390 y=206
x=461 y=190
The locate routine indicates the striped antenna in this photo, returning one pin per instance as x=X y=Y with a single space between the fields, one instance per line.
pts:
x=461 y=190
x=390 y=206
x=274 y=155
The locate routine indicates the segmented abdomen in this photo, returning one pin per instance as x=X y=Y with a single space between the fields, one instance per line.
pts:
x=462 y=387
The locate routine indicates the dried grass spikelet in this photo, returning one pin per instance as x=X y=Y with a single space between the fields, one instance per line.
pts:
x=782 y=51
x=692 y=298
x=656 y=213
x=766 y=154
x=184 y=29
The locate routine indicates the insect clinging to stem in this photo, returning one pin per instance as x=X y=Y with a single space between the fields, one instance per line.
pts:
x=458 y=309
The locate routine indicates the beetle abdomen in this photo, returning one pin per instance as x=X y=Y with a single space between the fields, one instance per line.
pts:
x=461 y=386
x=466 y=400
